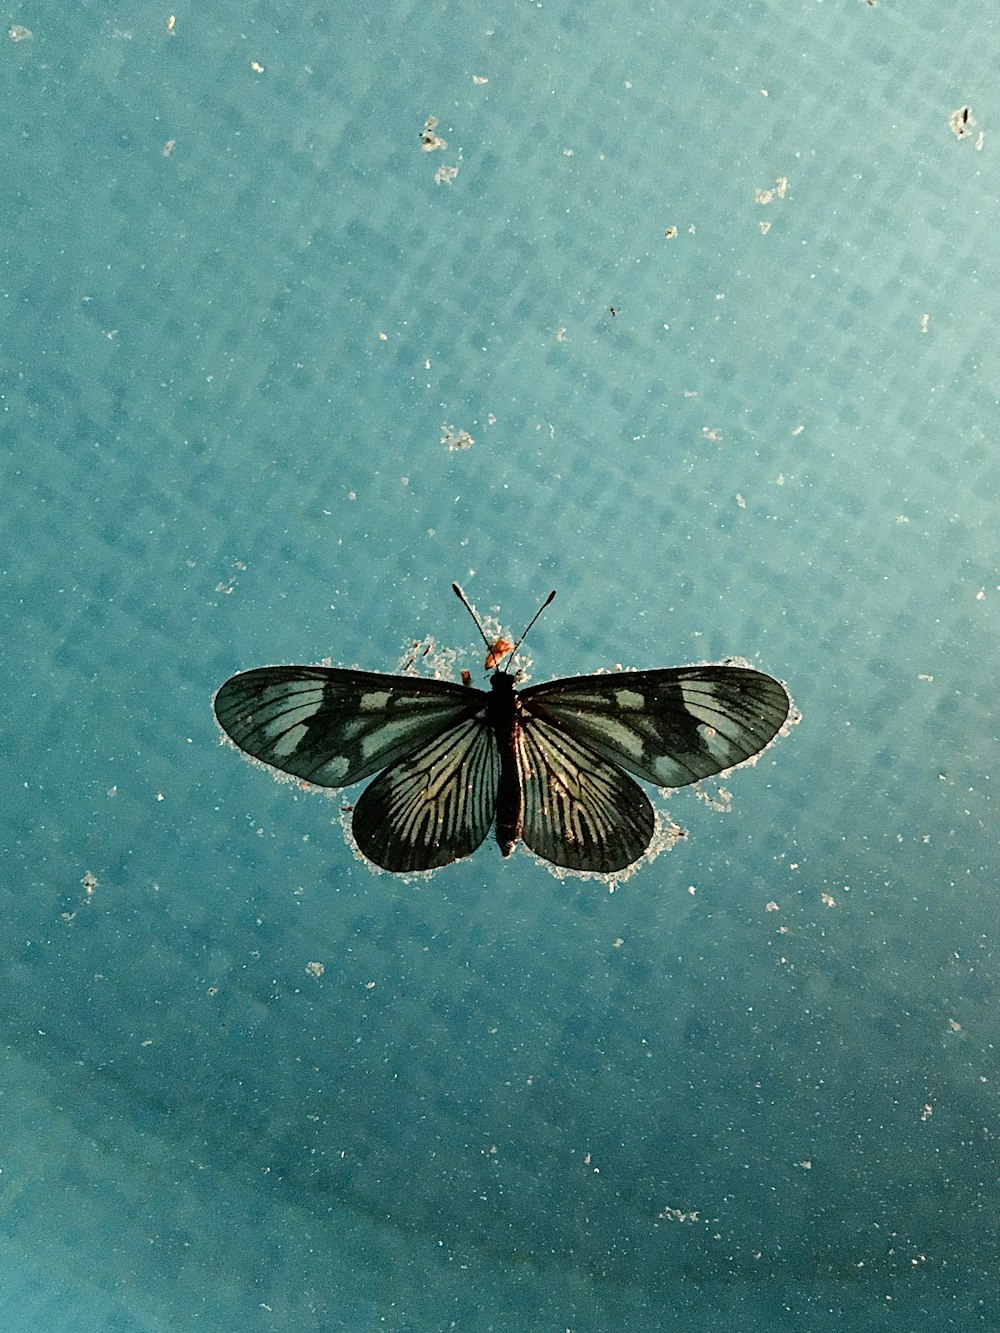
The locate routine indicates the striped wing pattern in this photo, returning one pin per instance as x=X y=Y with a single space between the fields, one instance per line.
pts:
x=669 y=727
x=435 y=806
x=580 y=811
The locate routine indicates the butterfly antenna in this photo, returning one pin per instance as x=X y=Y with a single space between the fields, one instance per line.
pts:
x=513 y=651
x=468 y=606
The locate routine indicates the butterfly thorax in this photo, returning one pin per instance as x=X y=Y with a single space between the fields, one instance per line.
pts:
x=503 y=715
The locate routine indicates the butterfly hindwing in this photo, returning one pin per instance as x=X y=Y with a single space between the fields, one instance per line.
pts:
x=436 y=805
x=670 y=727
x=580 y=811
x=333 y=727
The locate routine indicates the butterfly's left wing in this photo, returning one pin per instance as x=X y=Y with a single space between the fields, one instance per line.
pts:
x=334 y=727
x=668 y=727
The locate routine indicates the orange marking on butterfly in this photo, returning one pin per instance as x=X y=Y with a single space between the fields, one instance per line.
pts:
x=497 y=653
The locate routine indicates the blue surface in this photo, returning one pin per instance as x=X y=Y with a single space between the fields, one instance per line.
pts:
x=508 y=1102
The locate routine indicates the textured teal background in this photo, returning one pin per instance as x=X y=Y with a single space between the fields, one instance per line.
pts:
x=485 y=1115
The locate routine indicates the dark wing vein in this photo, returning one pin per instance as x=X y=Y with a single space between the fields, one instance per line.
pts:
x=669 y=727
x=580 y=811
x=334 y=727
x=436 y=805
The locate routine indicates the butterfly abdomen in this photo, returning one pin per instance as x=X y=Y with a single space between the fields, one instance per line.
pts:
x=503 y=714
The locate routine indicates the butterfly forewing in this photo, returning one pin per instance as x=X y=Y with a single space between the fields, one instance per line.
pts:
x=580 y=811
x=435 y=806
x=669 y=727
x=334 y=727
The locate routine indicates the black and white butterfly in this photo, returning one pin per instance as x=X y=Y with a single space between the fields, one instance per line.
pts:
x=548 y=764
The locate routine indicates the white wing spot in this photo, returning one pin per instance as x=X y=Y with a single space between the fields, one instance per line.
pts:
x=629 y=699
x=385 y=735
x=336 y=768
x=376 y=702
x=284 y=743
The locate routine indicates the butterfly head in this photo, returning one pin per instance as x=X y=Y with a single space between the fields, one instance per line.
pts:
x=498 y=651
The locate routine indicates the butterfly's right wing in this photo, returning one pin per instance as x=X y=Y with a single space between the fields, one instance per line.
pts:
x=434 y=806
x=333 y=727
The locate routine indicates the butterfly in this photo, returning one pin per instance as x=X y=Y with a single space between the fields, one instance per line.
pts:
x=548 y=764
